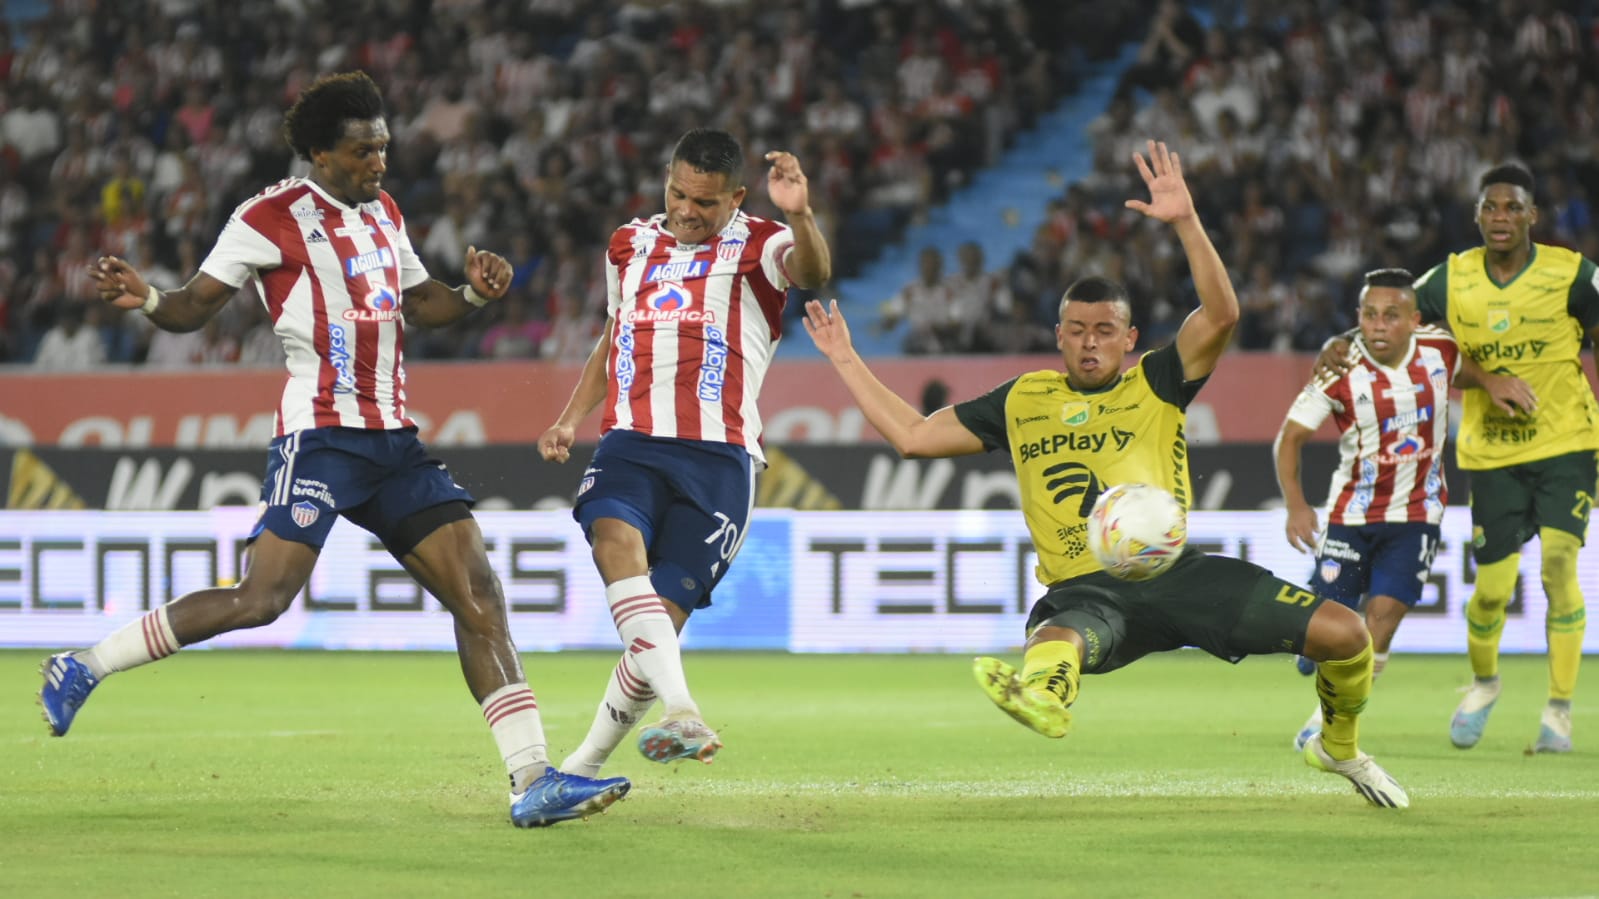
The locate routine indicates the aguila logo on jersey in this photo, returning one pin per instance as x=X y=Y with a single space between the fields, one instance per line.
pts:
x=1407 y=420
x=671 y=302
x=677 y=271
x=381 y=305
x=1075 y=414
x=1499 y=320
x=382 y=257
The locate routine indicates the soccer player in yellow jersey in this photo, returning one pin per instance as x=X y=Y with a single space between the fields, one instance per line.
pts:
x=1521 y=308
x=1073 y=433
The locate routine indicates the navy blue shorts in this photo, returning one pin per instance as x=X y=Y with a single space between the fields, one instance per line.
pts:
x=1377 y=559
x=377 y=479
x=690 y=498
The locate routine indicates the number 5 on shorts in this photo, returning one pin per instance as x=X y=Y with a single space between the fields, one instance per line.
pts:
x=1294 y=596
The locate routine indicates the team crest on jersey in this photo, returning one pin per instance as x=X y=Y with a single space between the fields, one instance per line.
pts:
x=1499 y=320
x=728 y=250
x=1330 y=569
x=1075 y=414
x=305 y=514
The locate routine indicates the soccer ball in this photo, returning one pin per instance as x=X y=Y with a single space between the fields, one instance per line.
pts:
x=1137 y=531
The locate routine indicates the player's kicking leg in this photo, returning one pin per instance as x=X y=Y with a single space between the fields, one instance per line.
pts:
x=277 y=571
x=1041 y=694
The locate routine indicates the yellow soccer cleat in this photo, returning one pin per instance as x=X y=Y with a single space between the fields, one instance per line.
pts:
x=1040 y=711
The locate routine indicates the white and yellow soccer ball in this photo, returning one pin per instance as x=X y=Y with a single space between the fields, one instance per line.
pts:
x=1137 y=531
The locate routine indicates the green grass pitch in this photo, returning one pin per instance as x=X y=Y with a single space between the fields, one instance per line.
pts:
x=280 y=774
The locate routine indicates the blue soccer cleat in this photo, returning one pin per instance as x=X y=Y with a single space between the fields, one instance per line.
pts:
x=67 y=685
x=1305 y=666
x=1471 y=717
x=558 y=796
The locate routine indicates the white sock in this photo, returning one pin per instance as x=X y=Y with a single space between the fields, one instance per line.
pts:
x=147 y=639
x=627 y=698
x=1379 y=661
x=650 y=640
x=513 y=716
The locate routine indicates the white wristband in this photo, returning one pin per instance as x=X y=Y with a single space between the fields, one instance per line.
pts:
x=473 y=297
x=151 y=300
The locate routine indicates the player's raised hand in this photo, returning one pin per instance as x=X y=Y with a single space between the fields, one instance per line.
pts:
x=118 y=282
x=488 y=273
x=1303 y=529
x=556 y=444
x=1168 y=192
x=828 y=329
x=786 y=184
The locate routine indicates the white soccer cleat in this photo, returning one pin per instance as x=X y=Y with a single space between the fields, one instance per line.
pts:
x=1370 y=780
x=1554 y=730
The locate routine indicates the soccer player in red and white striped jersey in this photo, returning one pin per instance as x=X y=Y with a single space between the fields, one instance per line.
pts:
x=696 y=298
x=1387 y=494
x=330 y=257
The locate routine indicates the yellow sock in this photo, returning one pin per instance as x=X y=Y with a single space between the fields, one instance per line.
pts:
x=1343 y=687
x=1567 y=617
x=1051 y=666
x=1485 y=613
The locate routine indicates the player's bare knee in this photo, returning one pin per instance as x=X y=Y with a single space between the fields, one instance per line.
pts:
x=257 y=605
x=1335 y=633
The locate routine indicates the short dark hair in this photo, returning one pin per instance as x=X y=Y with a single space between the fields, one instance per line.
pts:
x=316 y=120
x=1509 y=173
x=1391 y=277
x=713 y=151
x=1097 y=289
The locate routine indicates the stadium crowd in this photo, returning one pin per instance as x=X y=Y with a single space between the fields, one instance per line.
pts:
x=532 y=128
x=1326 y=139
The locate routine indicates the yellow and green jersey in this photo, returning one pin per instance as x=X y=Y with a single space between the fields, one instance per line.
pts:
x=1068 y=446
x=1532 y=327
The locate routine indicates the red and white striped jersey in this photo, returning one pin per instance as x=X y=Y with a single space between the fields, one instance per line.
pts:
x=1393 y=423
x=695 y=328
x=331 y=277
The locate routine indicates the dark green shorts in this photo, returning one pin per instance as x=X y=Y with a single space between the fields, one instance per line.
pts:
x=1510 y=504
x=1224 y=606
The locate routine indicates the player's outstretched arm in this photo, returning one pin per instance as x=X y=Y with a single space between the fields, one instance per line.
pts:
x=556 y=443
x=1208 y=329
x=1302 y=527
x=185 y=309
x=433 y=304
x=912 y=434
x=810 y=263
